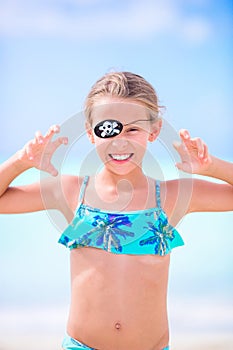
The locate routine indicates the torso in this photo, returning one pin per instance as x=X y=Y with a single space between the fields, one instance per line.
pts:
x=118 y=302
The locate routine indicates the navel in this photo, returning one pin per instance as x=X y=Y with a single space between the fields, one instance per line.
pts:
x=118 y=326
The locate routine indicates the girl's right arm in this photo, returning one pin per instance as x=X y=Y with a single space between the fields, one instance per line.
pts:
x=36 y=153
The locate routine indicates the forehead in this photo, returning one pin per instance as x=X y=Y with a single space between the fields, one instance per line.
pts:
x=125 y=111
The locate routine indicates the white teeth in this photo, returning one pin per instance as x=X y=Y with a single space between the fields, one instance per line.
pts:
x=120 y=156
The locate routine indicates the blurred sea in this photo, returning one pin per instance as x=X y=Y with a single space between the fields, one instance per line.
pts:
x=34 y=281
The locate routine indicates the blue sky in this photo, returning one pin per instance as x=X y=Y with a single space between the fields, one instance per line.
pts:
x=52 y=51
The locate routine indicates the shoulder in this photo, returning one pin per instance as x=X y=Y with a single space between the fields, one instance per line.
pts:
x=63 y=189
x=176 y=197
x=70 y=189
x=69 y=182
x=187 y=195
x=176 y=186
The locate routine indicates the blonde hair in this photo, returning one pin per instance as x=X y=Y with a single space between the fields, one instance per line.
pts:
x=123 y=85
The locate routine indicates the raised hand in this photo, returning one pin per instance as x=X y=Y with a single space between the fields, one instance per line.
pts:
x=39 y=151
x=193 y=153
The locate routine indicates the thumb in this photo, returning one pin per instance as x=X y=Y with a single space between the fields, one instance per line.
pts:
x=179 y=166
x=185 y=167
x=176 y=145
x=52 y=170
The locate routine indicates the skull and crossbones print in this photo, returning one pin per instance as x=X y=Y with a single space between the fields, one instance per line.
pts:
x=108 y=128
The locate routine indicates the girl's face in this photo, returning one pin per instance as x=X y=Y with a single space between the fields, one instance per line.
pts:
x=124 y=151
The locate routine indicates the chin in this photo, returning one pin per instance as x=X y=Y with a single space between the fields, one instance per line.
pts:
x=123 y=171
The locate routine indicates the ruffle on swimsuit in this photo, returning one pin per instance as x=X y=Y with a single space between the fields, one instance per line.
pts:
x=138 y=232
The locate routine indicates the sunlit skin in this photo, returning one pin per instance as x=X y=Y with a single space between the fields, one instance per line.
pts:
x=131 y=141
x=118 y=302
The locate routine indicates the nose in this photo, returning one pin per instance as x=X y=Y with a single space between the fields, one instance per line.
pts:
x=120 y=143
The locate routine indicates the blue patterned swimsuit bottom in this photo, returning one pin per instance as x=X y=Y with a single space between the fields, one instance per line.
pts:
x=72 y=344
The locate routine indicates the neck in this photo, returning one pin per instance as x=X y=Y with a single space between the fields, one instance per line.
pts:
x=133 y=179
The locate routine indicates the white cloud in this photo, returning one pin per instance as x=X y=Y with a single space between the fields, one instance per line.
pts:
x=78 y=19
x=196 y=29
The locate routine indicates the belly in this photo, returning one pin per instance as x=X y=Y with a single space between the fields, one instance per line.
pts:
x=118 y=301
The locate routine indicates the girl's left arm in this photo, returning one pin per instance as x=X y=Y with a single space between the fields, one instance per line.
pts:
x=195 y=159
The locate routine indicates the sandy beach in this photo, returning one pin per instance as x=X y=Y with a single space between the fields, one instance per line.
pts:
x=33 y=313
x=40 y=328
x=179 y=342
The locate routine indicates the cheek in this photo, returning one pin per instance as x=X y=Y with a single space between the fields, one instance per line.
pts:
x=142 y=141
x=102 y=146
x=141 y=146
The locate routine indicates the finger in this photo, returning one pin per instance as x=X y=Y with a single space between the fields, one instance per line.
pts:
x=179 y=166
x=184 y=134
x=176 y=145
x=28 y=150
x=186 y=167
x=206 y=153
x=54 y=129
x=185 y=139
x=60 y=140
x=39 y=137
x=199 y=145
x=180 y=147
x=192 y=144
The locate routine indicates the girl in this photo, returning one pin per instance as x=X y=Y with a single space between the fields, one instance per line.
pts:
x=121 y=222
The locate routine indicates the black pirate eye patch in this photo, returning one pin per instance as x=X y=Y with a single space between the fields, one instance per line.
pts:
x=111 y=127
x=108 y=128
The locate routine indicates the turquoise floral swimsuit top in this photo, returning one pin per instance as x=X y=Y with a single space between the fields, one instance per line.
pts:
x=135 y=232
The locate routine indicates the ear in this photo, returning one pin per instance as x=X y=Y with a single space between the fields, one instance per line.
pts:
x=90 y=134
x=155 y=130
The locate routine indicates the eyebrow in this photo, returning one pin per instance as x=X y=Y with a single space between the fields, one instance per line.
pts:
x=138 y=120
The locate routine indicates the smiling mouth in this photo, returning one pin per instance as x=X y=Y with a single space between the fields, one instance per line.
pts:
x=121 y=157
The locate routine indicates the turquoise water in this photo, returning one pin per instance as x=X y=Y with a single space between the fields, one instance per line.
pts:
x=29 y=252
x=34 y=268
